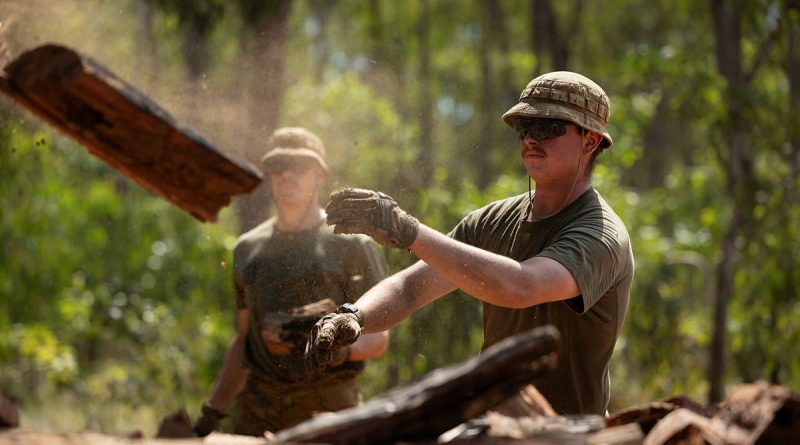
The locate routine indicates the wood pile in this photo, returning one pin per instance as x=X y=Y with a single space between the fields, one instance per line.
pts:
x=122 y=126
x=468 y=404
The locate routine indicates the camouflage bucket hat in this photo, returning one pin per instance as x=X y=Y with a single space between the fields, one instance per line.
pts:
x=568 y=96
x=294 y=141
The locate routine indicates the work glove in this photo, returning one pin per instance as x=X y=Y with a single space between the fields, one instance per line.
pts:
x=208 y=421
x=330 y=340
x=371 y=213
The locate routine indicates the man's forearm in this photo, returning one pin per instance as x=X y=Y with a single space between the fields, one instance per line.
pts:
x=232 y=377
x=493 y=278
x=394 y=299
x=369 y=346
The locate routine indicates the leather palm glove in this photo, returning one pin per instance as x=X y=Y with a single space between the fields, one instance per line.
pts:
x=371 y=213
x=208 y=421
x=331 y=336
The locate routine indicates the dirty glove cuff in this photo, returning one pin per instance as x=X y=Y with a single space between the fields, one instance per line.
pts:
x=397 y=228
x=330 y=333
x=372 y=213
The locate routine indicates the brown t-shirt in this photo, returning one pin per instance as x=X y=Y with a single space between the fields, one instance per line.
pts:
x=274 y=271
x=590 y=240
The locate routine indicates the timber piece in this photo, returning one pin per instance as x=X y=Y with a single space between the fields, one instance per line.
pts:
x=524 y=427
x=545 y=438
x=529 y=402
x=122 y=126
x=497 y=425
x=753 y=413
x=441 y=399
x=648 y=415
x=17 y=437
x=289 y=330
x=9 y=413
x=684 y=427
x=630 y=434
x=759 y=413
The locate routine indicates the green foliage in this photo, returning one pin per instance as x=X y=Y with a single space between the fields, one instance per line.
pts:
x=115 y=302
x=100 y=274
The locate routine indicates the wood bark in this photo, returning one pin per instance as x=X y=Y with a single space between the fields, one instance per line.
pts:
x=89 y=438
x=649 y=415
x=122 y=126
x=440 y=400
x=755 y=413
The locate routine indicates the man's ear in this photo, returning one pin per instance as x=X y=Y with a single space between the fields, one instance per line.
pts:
x=323 y=174
x=592 y=142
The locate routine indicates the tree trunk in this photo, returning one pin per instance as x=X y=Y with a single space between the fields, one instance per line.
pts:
x=481 y=149
x=149 y=61
x=739 y=179
x=425 y=156
x=265 y=89
x=793 y=73
x=547 y=39
x=321 y=10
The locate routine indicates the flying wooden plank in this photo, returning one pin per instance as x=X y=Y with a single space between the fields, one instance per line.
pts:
x=122 y=126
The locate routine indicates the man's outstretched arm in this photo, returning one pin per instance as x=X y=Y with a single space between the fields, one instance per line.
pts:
x=489 y=277
x=493 y=278
x=397 y=297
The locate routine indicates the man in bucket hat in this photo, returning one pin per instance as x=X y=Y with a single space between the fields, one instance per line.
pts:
x=557 y=256
x=291 y=260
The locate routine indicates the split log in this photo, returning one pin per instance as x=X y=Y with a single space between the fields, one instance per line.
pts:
x=630 y=434
x=286 y=331
x=119 y=124
x=441 y=399
x=759 y=412
x=529 y=402
x=648 y=415
x=683 y=427
x=527 y=427
x=89 y=438
x=755 y=413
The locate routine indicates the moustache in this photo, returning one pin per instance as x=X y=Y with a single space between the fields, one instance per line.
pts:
x=534 y=150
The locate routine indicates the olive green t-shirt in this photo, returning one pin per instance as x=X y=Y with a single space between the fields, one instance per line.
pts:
x=591 y=241
x=274 y=271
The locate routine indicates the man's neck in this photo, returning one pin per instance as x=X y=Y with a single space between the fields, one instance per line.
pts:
x=548 y=201
x=296 y=219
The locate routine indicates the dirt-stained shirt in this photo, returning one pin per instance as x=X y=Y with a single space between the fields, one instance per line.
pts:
x=274 y=271
x=591 y=241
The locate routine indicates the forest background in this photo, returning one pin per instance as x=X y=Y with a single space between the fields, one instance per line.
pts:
x=116 y=307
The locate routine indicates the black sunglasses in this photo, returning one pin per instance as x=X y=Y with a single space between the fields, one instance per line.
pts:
x=540 y=129
x=294 y=164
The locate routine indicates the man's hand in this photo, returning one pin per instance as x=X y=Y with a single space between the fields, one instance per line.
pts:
x=208 y=421
x=331 y=333
x=371 y=213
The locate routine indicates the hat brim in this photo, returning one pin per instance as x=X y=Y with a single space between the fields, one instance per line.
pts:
x=281 y=152
x=547 y=110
